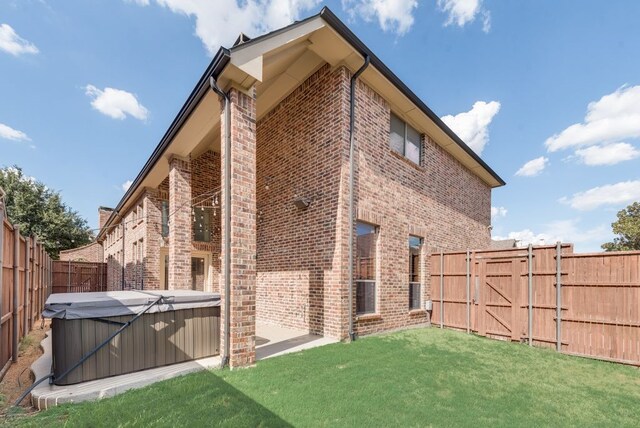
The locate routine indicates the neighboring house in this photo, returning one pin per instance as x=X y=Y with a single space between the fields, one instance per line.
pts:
x=285 y=168
x=92 y=252
x=87 y=253
x=503 y=244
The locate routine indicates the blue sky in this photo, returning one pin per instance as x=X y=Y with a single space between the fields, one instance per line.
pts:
x=548 y=92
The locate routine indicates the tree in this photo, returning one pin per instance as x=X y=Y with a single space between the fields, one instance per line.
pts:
x=40 y=211
x=628 y=230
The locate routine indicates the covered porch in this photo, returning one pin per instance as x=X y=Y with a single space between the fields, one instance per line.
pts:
x=267 y=124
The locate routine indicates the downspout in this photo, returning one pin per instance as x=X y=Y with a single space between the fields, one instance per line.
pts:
x=352 y=216
x=123 y=251
x=227 y=219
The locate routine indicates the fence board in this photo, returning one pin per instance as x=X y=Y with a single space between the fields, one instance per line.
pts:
x=78 y=277
x=20 y=307
x=600 y=297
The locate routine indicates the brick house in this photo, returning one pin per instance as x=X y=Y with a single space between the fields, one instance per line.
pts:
x=302 y=212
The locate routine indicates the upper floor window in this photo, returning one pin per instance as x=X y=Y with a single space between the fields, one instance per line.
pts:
x=404 y=139
x=202 y=224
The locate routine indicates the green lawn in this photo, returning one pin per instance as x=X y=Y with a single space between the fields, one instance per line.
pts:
x=413 y=378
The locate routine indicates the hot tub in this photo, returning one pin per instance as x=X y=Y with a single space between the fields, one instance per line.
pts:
x=184 y=325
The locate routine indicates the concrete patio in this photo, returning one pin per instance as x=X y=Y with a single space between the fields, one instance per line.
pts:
x=271 y=341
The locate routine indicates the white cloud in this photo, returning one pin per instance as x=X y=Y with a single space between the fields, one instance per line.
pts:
x=497 y=212
x=218 y=22
x=462 y=12
x=472 y=126
x=116 y=103
x=612 y=118
x=609 y=154
x=12 y=43
x=564 y=231
x=611 y=194
x=8 y=133
x=126 y=185
x=533 y=167
x=394 y=16
x=486 y=21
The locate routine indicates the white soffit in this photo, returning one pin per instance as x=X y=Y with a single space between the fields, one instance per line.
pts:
x=248 y=57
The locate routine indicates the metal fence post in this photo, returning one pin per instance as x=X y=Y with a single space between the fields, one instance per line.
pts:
x=559 y=296
x=441 y=289
x=16 y=292
x=530 y=286
x=468 y=291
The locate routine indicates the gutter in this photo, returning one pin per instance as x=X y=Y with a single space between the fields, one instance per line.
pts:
x=219 y=62
x=227 y=219
x=354 y=41
x=352 y=214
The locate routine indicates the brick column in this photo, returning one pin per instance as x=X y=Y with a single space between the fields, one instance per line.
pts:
x=153 y=239
x=243 y=228
x=179 y=223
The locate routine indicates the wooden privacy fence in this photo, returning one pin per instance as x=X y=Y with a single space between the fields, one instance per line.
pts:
x=583 y=304
x=25 y=284
x=78 y=277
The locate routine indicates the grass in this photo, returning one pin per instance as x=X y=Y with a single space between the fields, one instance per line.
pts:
x=26 y=343
x=425 y=377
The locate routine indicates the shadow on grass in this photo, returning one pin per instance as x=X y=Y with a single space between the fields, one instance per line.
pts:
x=199 y=399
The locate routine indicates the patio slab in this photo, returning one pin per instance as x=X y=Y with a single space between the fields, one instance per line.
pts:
x=44 y=395
x=271 y=341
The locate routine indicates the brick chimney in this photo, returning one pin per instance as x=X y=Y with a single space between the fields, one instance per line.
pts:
x=103 y=215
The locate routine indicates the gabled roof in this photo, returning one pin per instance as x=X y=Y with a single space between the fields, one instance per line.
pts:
x=223 y=58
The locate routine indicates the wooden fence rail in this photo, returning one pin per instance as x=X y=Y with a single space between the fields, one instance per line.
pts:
x=25 y=284
x=583 y=304
x=78 y=277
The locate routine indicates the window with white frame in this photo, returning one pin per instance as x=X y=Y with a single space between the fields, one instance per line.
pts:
x=415 y=270
x=405 y=140
x=365 y=269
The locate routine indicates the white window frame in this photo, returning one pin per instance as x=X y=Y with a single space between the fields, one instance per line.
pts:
x=419 y=282
x=406 y=139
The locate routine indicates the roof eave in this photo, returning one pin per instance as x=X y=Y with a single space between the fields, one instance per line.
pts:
x=359 y=45
x=220 y=60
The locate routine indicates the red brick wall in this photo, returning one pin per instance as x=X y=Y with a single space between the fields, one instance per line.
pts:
x=103 y=215
x=440 y=201
x=299 y=257
x=180 y=223
x=135 y=231
x=88 y=253
x=303 y=150
x=242 y=296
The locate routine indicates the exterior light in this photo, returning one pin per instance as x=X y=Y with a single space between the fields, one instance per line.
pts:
x=302 y=203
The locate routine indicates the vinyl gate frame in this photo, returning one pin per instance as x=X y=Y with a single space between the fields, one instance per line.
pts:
x=584 y=304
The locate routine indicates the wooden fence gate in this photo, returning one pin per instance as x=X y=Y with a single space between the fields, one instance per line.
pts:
x=78 y=277
x=497 y=296
x=584 y=304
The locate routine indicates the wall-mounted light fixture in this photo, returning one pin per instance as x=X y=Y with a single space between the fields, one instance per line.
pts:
x=302 y=203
